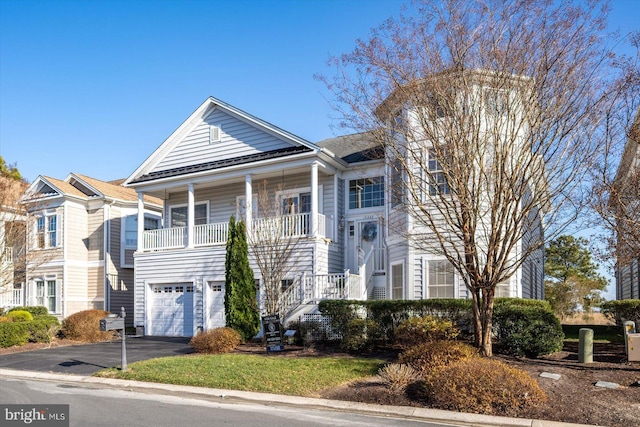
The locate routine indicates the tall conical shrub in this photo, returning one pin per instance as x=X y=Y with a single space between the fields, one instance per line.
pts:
x=240 y=298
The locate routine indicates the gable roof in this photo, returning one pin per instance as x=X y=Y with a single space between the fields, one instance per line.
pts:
x=85 y=188
x=145 y=172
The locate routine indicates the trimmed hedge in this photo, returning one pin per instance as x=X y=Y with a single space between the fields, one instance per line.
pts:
x=530 y=331
x=622 y=310
x=40 y=329
x=13 y=333
x=35 y=310
x=389 y=314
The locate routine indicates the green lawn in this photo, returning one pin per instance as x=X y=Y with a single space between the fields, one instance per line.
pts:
x=300 y=376
x=601 y=333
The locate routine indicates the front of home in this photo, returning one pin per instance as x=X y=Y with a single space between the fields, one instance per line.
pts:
x=332 y=197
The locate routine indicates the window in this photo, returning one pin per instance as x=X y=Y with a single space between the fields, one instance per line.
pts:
x=179 y=215
x=299 y=203
x=366 y=192
x=397 y=281
x=46 y=294
x=503 y=290
x=131 y=229
x=441 y=279
x=285 y=284
x=495 y=102
x=437 y=179
x=47 y=232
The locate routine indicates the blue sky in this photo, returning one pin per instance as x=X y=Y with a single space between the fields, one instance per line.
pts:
x=94 y=87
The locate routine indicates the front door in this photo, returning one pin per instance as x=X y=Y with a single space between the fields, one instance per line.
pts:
x=363 y=235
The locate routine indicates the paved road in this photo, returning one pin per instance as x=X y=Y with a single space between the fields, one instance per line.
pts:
x=97 y=406
x=89 y=358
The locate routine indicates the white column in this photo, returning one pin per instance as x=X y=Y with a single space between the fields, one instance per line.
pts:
x=248 y=203
x=140 y=221
x=190 y=215
x=314 y=199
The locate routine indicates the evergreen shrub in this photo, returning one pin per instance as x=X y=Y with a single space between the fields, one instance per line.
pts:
x=359 y=335
x=13 y=333
x=622 y=310
x=35 y=310
x=423 y=329
x=527 y=330
x=20 y=316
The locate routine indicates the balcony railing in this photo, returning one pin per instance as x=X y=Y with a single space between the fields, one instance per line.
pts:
x=297 y=225
x=11 y=298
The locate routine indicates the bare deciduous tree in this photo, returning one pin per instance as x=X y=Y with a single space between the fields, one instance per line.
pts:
x=275 y=239
x=12 y=233
x=492 y=113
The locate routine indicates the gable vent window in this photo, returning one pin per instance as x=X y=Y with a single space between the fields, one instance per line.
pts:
x=214 y=134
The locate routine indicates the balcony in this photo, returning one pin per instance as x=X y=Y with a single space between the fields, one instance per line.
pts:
x=297 y=225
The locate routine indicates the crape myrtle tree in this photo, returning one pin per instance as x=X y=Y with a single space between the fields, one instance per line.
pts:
x=571 y=276
x=240 y=298
x=275 y=240
x=492 y=113
x=13 y=255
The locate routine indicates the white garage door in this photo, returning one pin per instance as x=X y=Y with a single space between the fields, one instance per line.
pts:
x=172 y=310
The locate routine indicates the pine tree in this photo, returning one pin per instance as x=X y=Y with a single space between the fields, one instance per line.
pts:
x=240 y=301
x=571 y=276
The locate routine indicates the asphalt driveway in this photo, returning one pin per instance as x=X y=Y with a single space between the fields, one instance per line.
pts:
x=89 y=358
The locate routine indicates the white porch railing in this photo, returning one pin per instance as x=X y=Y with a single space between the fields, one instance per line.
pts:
x=333 y=286
x=296 y=225
x=7 y=256
x=165 y=238
x=11 y=298
x=210 y=234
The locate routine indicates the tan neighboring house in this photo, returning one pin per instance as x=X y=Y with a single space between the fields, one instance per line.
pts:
x=82 y=233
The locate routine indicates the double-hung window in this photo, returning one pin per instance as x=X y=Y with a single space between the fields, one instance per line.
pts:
x=46 y=294
x=437 y=180
x=366 y=192
x=441 y=279
x=179 y=215
x=46 y=232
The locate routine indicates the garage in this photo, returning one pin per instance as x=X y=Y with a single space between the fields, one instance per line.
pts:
x=172 y=309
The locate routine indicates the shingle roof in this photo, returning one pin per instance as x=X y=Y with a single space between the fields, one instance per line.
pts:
x=359 y=147
x=116 y=191
x=218 y=164
x=65 y=187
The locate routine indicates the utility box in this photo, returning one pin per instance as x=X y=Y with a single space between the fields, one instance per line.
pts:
x=633 y=347
x=111 y=323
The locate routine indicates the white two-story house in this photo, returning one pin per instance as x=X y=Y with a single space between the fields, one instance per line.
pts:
x=334 y=196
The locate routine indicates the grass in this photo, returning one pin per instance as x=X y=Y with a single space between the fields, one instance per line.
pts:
x=282 y=375
x=601 y=333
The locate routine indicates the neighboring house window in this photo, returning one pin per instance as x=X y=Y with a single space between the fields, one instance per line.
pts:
x=366 y=192
x=46 y=294
x=179 y=215
x=131 y=229
x=397 y=281
x=437 y=179
x=495 y=102
x=47 y=232
x=441 y=279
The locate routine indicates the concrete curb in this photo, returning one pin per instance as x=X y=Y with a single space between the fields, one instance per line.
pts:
x=435 y=415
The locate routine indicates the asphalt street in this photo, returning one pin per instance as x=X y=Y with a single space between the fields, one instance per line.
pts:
x=89 y=358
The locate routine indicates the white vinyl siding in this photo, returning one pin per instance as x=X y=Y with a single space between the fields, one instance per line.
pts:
x=237 y=138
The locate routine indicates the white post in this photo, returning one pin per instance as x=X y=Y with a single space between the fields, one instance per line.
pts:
x=248 y=197
x=313 y=223
x=303 y=286
x=190 y=215
x=140 y=221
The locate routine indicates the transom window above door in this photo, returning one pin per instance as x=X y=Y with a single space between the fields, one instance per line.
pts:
x=179 y=215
